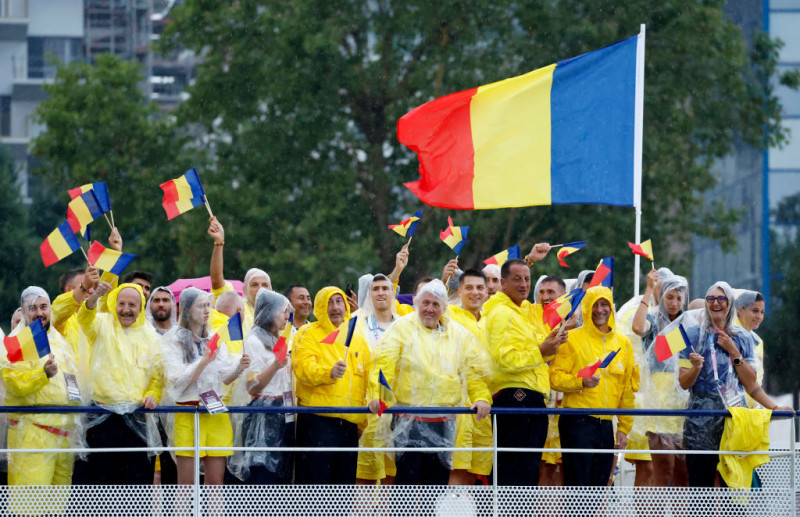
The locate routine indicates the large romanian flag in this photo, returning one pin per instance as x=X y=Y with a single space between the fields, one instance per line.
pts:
x=182 y=194
x=31 y=343
x=562 y=134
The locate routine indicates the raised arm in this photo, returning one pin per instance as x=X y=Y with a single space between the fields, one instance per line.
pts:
x=217 y=232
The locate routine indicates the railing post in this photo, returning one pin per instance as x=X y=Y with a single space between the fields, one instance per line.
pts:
x=792 y=467
x=197 y=461
x=495 y=487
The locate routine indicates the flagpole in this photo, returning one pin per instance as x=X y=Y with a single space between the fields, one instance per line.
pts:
x=556 y=246
x=111 y=212
x=85 y=255
x=208 y=207
x=108 y=221
x=637 y=149
x=409 y=241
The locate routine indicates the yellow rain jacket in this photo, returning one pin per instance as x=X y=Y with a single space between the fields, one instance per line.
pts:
x=248 y=316
x=536 y=312
x=64 y=313
x=513 y=344
x=584 y=346
x=27 y=384
x=125 y=362
x=746 y=430
x=443 y=367
x=312 y=362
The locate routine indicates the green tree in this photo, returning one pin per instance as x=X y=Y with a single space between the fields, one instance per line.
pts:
x=100 y=127
x=300 y=101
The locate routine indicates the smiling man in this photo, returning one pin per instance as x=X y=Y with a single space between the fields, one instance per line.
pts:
x=520 y=378
x=610 y=387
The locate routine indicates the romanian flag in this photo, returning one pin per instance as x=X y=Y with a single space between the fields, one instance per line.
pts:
x=227 y=333
x=331 y=338
x=351 y=328
x=82 y=210
x=568 y=249
x=407 y=227
x=31 y=343
x=604 y=274
x=59 y=244
x=504 y=256
x=109 y=260
x=454 y=236
x=601 y=363
x=182 y=194
x=386 y=396
x=100 y=190
x=671 y=343
x=562 y=134
x=644 y=249
x=281 y=347
x=562 y=308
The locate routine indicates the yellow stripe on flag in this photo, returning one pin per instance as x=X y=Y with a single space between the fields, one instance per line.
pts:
x=520 y=155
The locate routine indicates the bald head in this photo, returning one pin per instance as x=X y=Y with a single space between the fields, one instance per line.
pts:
x=129 y=305
x=229 y=303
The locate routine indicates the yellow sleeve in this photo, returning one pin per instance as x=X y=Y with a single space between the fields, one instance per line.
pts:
x=112 y=279
x=62 y=309
x=561 y=376
x=625 y=422
x=477 y=369
x=386 y=356
x=87 y=320
x=24 y=382
x=307 y=364
x=511 y=351
x=402 y=309
x=227 y=286
x=155 y=385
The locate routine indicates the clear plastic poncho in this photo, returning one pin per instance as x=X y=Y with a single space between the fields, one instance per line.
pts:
x=25 y=385
x=624 y=321
x=367 y=324
x=442 y=367
x=263 y=429
x=173 y=317
x=717 y=386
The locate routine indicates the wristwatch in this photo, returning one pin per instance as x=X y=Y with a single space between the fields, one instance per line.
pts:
x=737 y=361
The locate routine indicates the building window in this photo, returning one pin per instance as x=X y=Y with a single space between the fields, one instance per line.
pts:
x=65 y=49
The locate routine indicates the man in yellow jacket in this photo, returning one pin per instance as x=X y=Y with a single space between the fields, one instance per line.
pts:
x=124 y=374
x=609 y=387
x=428 y=360
x=520 y=378
x=329 y=375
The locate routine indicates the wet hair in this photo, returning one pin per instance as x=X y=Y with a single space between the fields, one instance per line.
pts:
x=506 y=269
x=554 y=278
x=68 y=277
x=141 y=275
x=471 y=273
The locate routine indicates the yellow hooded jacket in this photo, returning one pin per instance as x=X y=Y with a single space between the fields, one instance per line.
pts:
x=64 y=310
x=746 y=430
x=584 y=346
x=312 y=362
x=125 y=362
x=513 y=344
x=425 y=367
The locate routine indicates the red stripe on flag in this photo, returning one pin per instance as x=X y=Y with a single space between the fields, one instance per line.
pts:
x=280 y=349
x=490 y=260
x=72 y=219
x=213 y=344
x=662 y=349
x=599 y=275
x=440 y=132
x=13 y=350
x=589 y=370
x=95 y=251
x=170 y=192
x=49 y=256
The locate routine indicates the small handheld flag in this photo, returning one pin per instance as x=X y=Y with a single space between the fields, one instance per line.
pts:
x=568 y=249
x=386 y=396
x=331 y=338
x=82 y=210
x=407 y=227
x=671 y=343
x=109 y=260
x=100 y=190
x=601 y=363
x=182 y=194
x=31 y=343
x=454 y=236
x=351 y=327
x=281 y=347
x=562 y=308
x=226 y=334
x=504 y=256
x=644 y=249
x=604 y=274
x=59 y=244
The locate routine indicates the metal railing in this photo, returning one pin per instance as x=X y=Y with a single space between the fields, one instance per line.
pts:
x=396 y=500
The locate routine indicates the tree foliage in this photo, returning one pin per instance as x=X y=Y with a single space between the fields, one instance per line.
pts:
x=300 y=101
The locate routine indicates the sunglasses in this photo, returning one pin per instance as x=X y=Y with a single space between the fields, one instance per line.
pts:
x=720 y=299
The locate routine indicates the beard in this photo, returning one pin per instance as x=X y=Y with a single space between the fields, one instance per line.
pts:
x=162 y=316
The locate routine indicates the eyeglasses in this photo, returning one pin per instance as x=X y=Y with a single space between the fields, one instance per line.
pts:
x=720 y=299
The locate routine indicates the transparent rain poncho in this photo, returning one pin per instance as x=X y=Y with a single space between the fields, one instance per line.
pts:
x=173 y=317
x=624 y=321
x=536 y=288
x=367 y=324
x=744 y=300
x=442 y=367
x=717 y=386
x=364 y=283
x=125 y=365
x=25 y=384
x=263 y=429
x=252 y=273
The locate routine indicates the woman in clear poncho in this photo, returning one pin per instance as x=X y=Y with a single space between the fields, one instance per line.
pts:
x=191 y=368
x=267 y=383
x=660 y=379
x=718 y=368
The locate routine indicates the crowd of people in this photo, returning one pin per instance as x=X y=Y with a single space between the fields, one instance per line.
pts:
x=472 y=339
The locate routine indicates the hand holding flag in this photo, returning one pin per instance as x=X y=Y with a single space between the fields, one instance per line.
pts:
x=601 y=363
x=562 y=308
x=454 y=236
